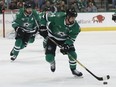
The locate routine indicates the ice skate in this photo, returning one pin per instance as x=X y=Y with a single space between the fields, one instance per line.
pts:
x=53 y=66
x=76 y=73
x=13 y=58
x=11 y=53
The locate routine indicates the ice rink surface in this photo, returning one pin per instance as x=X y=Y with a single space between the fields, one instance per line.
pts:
x=95 y=50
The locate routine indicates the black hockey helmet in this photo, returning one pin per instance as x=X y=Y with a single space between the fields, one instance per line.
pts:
x=28 y=4
x=71 y=12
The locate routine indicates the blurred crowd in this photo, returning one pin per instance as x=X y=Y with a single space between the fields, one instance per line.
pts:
x=56 y=5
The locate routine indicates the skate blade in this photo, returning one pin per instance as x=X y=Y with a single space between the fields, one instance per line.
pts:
x=78 y=76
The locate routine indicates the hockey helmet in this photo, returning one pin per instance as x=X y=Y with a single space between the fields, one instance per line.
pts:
x=71 y=12
x=28 y=5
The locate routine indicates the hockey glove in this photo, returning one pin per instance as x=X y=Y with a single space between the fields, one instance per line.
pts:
x=43 y=31
x=114 y=17
x=64 y=49
x=19 y=32
x=34 y=31
x=21 y=29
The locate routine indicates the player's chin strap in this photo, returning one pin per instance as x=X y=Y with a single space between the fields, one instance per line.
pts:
x=98 y=78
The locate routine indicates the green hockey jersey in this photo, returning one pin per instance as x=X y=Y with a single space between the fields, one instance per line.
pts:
x=26 y=21
x=58 y=29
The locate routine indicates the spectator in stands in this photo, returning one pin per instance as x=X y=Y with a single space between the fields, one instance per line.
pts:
x=19 y=4
x=71 y=1
x=84 y=3
x=12 y=5
x=33 y=4
x=36 y=2
x=47 y=7
x=7 y=3
x=64 y=1
x=101 y=2
x=1 y=6
x=73 y=4
x=114 y=3
x=41 y=3
x=61 y=6
x=91 y=7
x=92 y=1
x=81 y=4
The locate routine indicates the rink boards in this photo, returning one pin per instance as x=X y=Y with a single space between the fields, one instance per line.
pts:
x=101 y=21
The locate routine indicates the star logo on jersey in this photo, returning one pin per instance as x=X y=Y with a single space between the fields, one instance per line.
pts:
x=61 y=34
x=26 y=24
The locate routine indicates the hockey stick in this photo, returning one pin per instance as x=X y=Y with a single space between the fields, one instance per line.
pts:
x=98 y=78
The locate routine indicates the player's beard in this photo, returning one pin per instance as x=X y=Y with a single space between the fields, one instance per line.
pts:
x=28 y=12
x=69 y=22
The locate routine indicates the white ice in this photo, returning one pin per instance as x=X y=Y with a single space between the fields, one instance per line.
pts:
x=96 y=51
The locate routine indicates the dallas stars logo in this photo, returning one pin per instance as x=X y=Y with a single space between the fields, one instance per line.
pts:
x=61 y=34
x=26 y=24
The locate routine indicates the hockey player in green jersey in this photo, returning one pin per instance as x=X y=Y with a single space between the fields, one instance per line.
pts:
x=114 y=17
x=25 y=28
x=63 y=30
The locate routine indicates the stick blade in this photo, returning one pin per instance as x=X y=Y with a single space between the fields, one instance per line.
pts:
x=103 y=78
x=107 y=77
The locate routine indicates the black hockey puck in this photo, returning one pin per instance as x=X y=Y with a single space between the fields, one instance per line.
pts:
x=105 y=83
x=108 y=76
